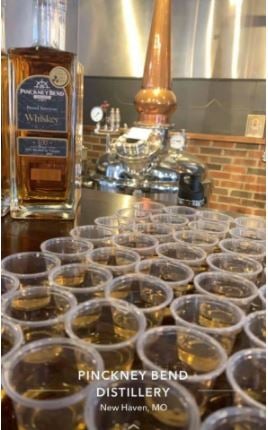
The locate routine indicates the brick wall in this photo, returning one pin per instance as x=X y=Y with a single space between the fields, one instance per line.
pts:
x=234 y=164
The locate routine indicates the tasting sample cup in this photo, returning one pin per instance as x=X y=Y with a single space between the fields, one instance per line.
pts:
x=177 y=222
x=255 y=329
x=40 y=311
x=132 y=215
x=31 y=268
x=11 y=340
x=109 y=222
x=95 y=234
x=84 y=281
x=257 y=235
x=235 y=417
x=238 y=265
x=67 y=249
x=246 y=374
x=238 y=290
x=262 y=295
x=143 y=244
x=214 y=216
x=255 y=222
x=9 y=284
x=216 y=317
x=203 y=239
x=148 y=206
x=185 y=211
x=217 y=228
x=118 y=261
x=197 y=358
x=149 y=294
x=162 y=232
x=192 y=256
x=244 y=247
x=43 y=380
x=180 y=412
x=176 y=275
x=111 y=326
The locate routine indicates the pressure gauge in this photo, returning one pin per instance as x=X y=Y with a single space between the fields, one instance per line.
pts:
x=96 y=114
x=177 y=141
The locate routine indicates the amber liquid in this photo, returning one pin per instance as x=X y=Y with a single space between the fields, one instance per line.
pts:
x=8 y=417
x=41 y=178
x=5 y=143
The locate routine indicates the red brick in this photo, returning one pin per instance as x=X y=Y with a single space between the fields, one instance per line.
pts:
x=245 y=162
x=199 y=142
x=234 y=169
x=223 y=144
x=254 y=204
x=261 y=180
x=243 y=178
x=235 y=152
x=230 y=184
x=260 y=197
x=229 y=200
x=220 y=175
x=218 y=206
x=256 y=154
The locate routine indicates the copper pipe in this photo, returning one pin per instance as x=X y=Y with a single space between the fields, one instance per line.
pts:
x=155 y=101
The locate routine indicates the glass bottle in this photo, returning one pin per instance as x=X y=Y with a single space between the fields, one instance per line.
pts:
x=43 y=115
x=5 y=143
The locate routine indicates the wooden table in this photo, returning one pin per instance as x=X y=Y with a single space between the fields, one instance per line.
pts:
x=26 y=235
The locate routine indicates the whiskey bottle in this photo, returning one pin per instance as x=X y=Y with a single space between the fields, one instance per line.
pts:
x=5 y=144
x=43 y=117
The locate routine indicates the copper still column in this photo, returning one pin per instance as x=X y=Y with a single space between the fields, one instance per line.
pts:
x=155 y=102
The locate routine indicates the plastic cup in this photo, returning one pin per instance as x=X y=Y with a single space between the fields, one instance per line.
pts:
x=195 y=358
x=111 y=223
x=43 y=381
x=243 y=247
x=149 y=294
x=181 y=410
x=95 y=234
x=192 y=256
x=217 y=228
x=202 y=239
x=238 y=290
x=162 y=232
x=232 y=263
x=215 y=216
x=255 y=329
x=40 y=311
x=118 y=261
x=255 y=222
x=185 y=211
x=111 y=326
x=176 y=275
x=84 y=281
x=9 y=284
x=11 y=340
x=148 y=206
x=246 y=374
x=233 y=418
x=177 y=222
x=67 y=249
x=143 y=244
x=31 y=268
x=132 y=215
x=262 y=295
x=257 y=235
x=216 y=317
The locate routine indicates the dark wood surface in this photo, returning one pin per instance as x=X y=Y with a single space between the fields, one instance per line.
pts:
x=26 y=235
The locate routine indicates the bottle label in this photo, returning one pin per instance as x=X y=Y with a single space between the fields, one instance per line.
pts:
x=41 y=105
x=39 y=147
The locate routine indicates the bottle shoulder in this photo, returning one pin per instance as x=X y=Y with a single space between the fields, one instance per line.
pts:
x=40 y=51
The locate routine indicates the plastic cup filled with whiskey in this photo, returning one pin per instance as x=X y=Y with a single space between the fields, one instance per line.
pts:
x=148 y=206
x=145 y=403
x=217 y=228
x=192 y=256
x=255 y=329
x=185 y=211
x=9 y=284
x=95 y=234
x=195 y=358
x=84 y=281
x=236 y=264
x=144 y=244
x=258 y=235
x=215 y=216
x=255 y=222
x=43 y=381
x=132 y=215
x=235 y=417
x=11 y=339
x=162 y=232
x=238 y=290
x=202 y=239
x=216 y=317
x=177 y=222
x=246 y=374
x=31 y=268
x=67 y=249
x=118 y=261
x=244 y=247
x=176 y=275
x=111 y=326
x=262 y=295
x=40 y=311
x=152 y=296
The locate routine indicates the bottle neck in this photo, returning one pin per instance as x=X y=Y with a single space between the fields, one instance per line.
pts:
x=3 y=27
x=49 y=23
